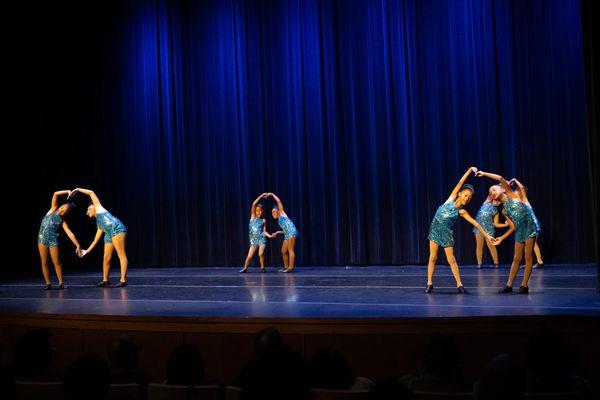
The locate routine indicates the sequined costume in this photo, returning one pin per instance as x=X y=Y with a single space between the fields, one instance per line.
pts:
x=521 y=218
x=440 y=230
x=255 y=232
x=48 y=234
x=485 y=218
x=535 y=230
x=288 y=227
x=109 y=224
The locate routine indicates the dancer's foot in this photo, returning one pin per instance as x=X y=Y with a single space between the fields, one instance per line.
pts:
x=428 y=288
x=496 y=266
x=523 y=290
x=478 y=266
x=282 y=270
x=263 y=270
x=288 y=270
x=121 y=284
x=103 y=284
x=243 y=270
x=538 y=265
x=506 y=289
x=61 y=286
x=47 y=286
x=521 y=266
x=461 y=289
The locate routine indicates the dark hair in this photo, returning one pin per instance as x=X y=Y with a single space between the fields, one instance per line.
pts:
x=468 y=186
x=329 y=369
x=87 y=378
x=259 y=205
x=33 y=354
x=91 y=203
x=275 y=208
x=185 y=366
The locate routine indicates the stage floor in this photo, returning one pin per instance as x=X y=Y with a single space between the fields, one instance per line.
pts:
x=311 y=292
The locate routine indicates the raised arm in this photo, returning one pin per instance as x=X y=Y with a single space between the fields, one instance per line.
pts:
x=465 y=215
x=94 y=243
x=89 y=193
x=496 y=177
x=54 y=202
x=255 y=203
x=510 y=230
x=460 y=183
x=279 y=204
x=521 y=190
x=71 y=236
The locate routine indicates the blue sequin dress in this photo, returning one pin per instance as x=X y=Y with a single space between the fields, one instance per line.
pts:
x=536 y=228
x=109 y=224
x=288 y=227
x=485 y=218
x=521 y=218
x=440 y=230
x=255 y=232
x=48 y=234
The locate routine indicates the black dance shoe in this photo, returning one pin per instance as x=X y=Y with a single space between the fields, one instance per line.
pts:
x=523 y=290
x=103 y=284
x=243 y=270
x=429 y=289
x=282 y=270
x=61 y=286
x=121 y=284
x=288 y=271
x=538 y=266
x=263 y=270
x=496 y=266
x=461 y=289
x=505 y=289
x=47 y=286
x=478 y=266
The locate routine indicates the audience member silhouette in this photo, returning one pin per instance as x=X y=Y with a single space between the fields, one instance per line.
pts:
x=123 y=357
x=87 y=378
x=390 y=390
x=501 y=379
x=329 y=369
x=33 y=355
x=185 y=366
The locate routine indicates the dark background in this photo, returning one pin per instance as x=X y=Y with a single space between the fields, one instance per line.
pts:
x=360 y=115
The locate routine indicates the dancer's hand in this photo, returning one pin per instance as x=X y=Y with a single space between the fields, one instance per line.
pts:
x=479 y=174
x=496 y=241
x=265 y=195
x=473 y=169
x=78 y=251
x=72 y=192
x=83 y=253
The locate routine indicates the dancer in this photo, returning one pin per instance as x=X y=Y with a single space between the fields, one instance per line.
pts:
x=114 y=238
x=489 y=219
x=440 y=232
x=525 y=232
x=48 y=238
x=536 y=247
x=257 y=232
x=290 y=234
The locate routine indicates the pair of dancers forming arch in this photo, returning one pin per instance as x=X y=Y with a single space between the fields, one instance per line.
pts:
x=518 y=212
x=520 y=219
x=114 y=232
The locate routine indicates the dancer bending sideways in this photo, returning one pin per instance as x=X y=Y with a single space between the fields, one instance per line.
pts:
x=440 y=232
x=258 y=234
x=114 y=238
x=48 y=238
x=290 y=233
x=522 y=191
x=489 y=219
x=525 y=231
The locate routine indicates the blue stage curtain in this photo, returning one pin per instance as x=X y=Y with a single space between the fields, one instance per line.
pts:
x=360 y=115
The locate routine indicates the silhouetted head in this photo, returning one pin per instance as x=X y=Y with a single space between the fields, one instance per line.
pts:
x=465 y=194
x=267 y=341
x=275 y=212
x=91 y=210
x=258 y=210
x=390 y=390
x=123 y=353
x=185 y=365
x=328 y=369
x=65 y=209
x=33 y=354
x=87 y=378
x=501 y=379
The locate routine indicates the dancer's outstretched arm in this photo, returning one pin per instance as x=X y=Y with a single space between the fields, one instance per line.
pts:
x=463 y=213
x=54 y=202
x=499 y=224
x=94 y=243
x=272 y=235
x=511 y=229
x=460 y=183
x=264 y=195
x=89 y=193
x=71 y=236
x=522 y=190
x=503 y=182
x=279 y=203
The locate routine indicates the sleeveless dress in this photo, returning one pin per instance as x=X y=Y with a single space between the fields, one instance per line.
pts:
x=288 y=227
x=48 y=234
x=440 y=230
x=255 y=232
x=485 y=218
x=109 y=224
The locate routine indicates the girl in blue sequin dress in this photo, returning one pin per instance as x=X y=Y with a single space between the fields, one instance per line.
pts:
x=290 y=234
x=489 y=219
x=522 y=191
x=440 y=231
x=115 y=234
x=520 y=220
x=48 y=238
x=257 y=233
